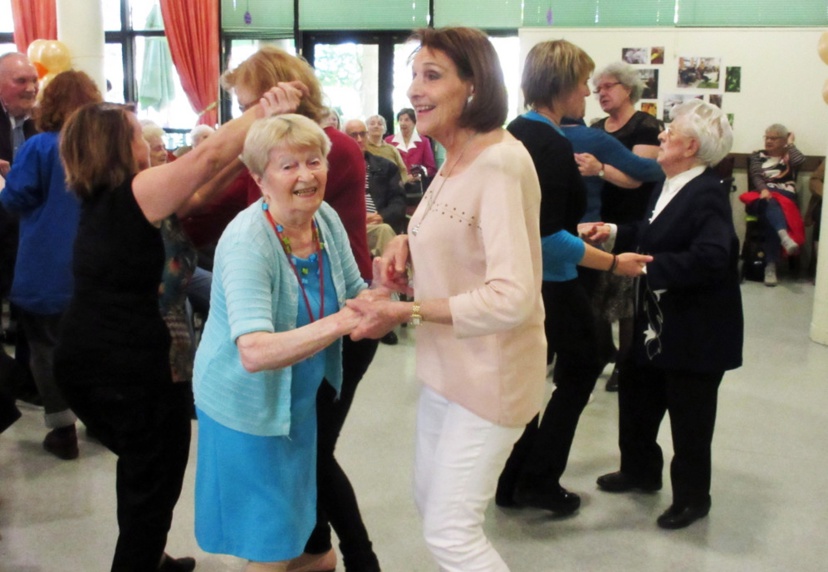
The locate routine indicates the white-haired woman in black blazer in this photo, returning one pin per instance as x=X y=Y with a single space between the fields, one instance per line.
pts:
x=688 y=319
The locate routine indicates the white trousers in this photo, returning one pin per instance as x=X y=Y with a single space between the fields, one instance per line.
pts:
x=458 y=459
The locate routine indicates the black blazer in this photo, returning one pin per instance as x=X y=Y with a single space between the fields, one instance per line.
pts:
x=688 y=306
x=6 y=143
x=386 y=189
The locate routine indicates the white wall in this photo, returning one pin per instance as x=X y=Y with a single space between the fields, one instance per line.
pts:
x=782 y=75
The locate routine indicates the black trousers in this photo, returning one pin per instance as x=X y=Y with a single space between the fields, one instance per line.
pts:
x=645 y=393
x=540 y=455
x=148 y=428
x=337 y=503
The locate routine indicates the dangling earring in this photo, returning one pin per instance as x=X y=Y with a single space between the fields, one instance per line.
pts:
x=469 y=99
x=264 y=205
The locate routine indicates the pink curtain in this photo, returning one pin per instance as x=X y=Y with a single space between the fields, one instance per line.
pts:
x=192 y=29
x=33 y=20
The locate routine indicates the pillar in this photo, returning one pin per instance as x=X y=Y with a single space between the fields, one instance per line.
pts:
x=80 y=26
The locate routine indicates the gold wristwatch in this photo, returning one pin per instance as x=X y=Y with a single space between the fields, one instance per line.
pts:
x=416 y=318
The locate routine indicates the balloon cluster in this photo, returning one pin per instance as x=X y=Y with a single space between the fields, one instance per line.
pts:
x=49 y=57
x=822 y=50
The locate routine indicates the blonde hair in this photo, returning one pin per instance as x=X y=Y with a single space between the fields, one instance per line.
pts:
x=269 y=66
x=553 y=70
x=290 y=131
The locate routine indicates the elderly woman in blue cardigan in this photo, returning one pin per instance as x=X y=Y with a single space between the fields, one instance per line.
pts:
x=282 y=272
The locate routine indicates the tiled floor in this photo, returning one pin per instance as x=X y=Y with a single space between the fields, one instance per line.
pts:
x=769 y=502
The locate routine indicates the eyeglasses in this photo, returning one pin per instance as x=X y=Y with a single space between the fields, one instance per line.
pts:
x=358 y=134
x=605 y=87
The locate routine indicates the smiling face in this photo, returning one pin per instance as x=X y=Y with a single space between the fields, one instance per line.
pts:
x=613 y=96
x=293 y=183
x=376 y=129
x=437 y=93
x=18 y=85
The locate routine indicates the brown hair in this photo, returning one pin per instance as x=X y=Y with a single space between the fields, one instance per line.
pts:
x=269 y=66
x=96 y=148
x=66 y=92
x=477 y=62
x=552 y=70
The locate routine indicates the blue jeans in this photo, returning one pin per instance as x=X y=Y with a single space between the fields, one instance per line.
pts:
x=772 y=219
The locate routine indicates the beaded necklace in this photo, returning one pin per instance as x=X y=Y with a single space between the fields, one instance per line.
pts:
x=285 y=242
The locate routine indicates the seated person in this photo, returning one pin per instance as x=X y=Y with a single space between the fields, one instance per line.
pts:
x=384 y=196
x=415 y=150
x=772 y=176
x=377 y=146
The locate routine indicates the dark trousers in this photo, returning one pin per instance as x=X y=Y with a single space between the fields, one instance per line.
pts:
x=148 y=428
x=337 y=502
x=540 y=455
x=645 y=393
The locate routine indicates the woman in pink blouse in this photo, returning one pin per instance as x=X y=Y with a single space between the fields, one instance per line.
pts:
x=475 y=255
x=415 y=150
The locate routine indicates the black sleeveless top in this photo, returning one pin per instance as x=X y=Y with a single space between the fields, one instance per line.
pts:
x=113 y=332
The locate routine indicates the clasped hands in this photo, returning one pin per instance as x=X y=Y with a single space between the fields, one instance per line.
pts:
x=630 y=264
x=378 y=313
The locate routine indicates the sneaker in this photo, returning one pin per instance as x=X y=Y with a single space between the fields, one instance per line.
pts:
x=791 y=247
x=62 y=442
x=770 y=274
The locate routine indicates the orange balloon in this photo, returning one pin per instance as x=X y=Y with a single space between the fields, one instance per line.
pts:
x=41 y=69
x=55 y=57
x=822 y=47
x=35 y=49
x=43 y=83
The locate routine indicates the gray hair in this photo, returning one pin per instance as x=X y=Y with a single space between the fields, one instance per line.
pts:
x=624 y=74
x=778 y=129
x=289 y=131
x=151 y=129
x=200 y=131
x=381 y=118
x=708 y=125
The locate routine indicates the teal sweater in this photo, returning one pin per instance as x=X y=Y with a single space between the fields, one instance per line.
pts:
x=255 y=290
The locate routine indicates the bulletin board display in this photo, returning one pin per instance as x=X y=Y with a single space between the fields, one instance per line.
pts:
x=758 y=76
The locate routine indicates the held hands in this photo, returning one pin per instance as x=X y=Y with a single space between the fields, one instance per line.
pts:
x=284 y=97
x=588 y=165
x=595 y=233
x=373 y=218
x=765 y=194
x=5 y=167
x=391 y=270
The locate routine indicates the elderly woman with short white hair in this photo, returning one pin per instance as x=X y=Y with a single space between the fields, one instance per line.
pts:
x=376 y=145
x=688 y=322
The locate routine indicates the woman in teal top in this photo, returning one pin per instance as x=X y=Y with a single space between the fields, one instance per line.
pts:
x=282 y=272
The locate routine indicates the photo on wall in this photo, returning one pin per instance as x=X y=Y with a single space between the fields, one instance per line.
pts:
x=657 y=55
x=715 y=99
x=635 y=55
x=699 y=72
x=733 y=79
x=650 y=107
x=674 y=99
x=649 y=77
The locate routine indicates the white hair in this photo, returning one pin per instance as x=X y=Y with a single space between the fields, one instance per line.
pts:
x=708 y=125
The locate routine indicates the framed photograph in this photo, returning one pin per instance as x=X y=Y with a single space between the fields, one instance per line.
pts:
x=733 y=80
x=716 y=99
x=674 y=99
x=635 y=55
x=649 y=77
x=698 y=72
x=650 y=107
x=657 y=55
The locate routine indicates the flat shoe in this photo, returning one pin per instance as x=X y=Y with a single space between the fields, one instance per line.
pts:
x=325 y=562
x=619 y=482
x=677 y=517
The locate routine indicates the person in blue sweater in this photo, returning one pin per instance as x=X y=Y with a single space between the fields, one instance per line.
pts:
x=36 y=192
x=601 y=157
x=554 y=85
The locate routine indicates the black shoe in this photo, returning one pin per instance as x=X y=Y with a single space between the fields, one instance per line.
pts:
x=390 y=339
x=62 y=442
x=682 y=516
x=505 y=497
x=619 y=482
x=612 y=382
x=171 y=564
x=556 y=499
